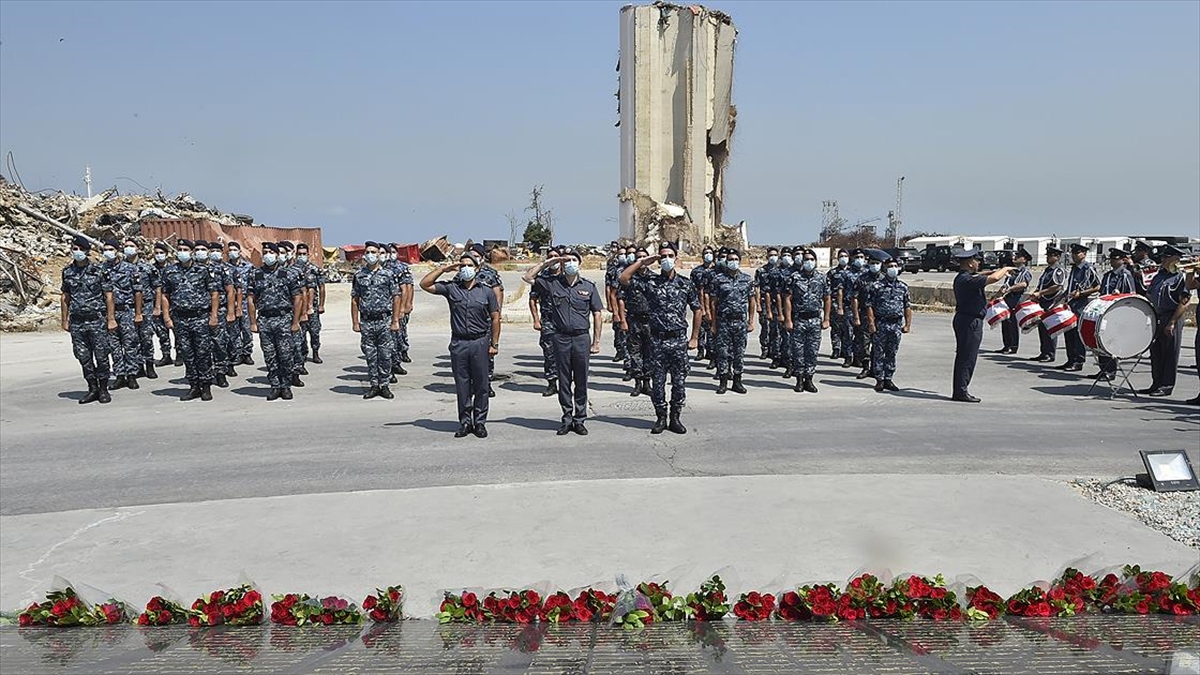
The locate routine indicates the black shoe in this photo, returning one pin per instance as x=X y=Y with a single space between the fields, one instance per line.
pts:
x=1193 y=401
x=392 y=379
x=675 y=426
x=890 y=386
x=863 y=374
x=660 y=425
x=463 y=431
x=178 y=361
x=1075 y=367
x=302 y=370
x=296 y=380
x=164 y=361
x=580 y=429
x=1106 y=377
x=1064 y=366
x=399 y=370
x=231 y=371
x=192 y=393
x=965 y=398
x=775 y=363
x=723 y=386
x=103 y=396
x=1148 y=390
x=564 y=429
x=1045 y=358
x=384 y=392
x=221 y=380
x=273 y=394
x=1039 y=357
x=551 y=388
x=480 y=431
x=710 y=365
x=141 y=371
x=316 y=358
x=627 y=376
x=131 y=383
x=247 y=360
x=788 y=374
x=848 y=362
x=878 y=385
x=372 y=392
x=700 y=352
x=285 y=393
x=93 y=393
x=404 y=357
x=646 y=386
x=491 y=394
x=118 y=383
x=1157 y=393
x=738 y=387
x=835 y=354
x=205 y=392
x=809 y=386
x=637 y=388
x=799 y=388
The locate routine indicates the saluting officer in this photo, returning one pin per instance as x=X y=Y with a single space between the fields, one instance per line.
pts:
x=1011 y=290
x=124 y=294
x=85 y=298
x=543 y=320
x=375 y=307
x=191 y=303
x=1119 y=279
x=1051 y=286
x=806 y=305
x=1170 y=296
x=1082 y=282
x=970 y=304
x=635 y=315
x=275 y=302
x=474 y=339
x=889 y=315
x=734 y=304
x=574 y=303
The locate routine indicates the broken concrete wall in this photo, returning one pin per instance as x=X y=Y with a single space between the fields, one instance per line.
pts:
x=676 y=113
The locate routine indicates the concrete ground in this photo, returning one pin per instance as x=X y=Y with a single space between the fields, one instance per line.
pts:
x=330 y=493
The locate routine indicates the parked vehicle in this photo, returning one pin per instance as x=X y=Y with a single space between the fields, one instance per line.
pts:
x=937 y=258
x=910 y=258
x=991 y=261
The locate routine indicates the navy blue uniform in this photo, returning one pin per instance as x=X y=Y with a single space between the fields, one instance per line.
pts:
x=124 y=280
x=1167 y=291
x=86 y=319
x=190 y=289
x=808 y=292
x=970 y=304
x=731 y=301
x=1009 y=329
x=1115 y=281
x=1054 y=275
x=669 y=299
x=274 y=291
x=571 y=307
x=1082 y=277
x=470 y=330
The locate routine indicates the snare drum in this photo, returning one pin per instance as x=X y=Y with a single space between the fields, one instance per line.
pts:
x=1029 y=315
x=997 y=312
x=1058 y=320
x=1120 y=326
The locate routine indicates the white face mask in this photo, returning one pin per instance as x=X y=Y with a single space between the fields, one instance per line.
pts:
x=78 y=256
x=667 y=264
x=875 y=268
x=809 y=265
x=214 y=256
x=843 y=260
x=302 y=258
x=200 y=256
x=732 y=265
x=110 y=254
x=372 y=258
x=160 y=257
x=270 y=259
x=130 y=251
x=183 y=256
x=787 y=261
x=893 y=272
x=773 y=259
x=234 y=254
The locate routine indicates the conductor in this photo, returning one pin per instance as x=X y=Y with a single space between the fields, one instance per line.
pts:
x=970 y=305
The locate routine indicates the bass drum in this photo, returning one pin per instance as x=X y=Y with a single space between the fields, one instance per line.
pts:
x=1120 y=326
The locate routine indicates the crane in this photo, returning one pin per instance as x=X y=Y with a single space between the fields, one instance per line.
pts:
x=893 y=229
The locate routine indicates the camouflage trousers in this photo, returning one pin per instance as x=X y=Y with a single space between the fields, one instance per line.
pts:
x=163 y=333
x=783 y=344
x=730 y=347
x=378 y=345
x=764 y=333
x=707 y=339
x=278 y=345
x=233 y=333
x=221 y=354
x=91 y=343
x=775 y=340
x=639 y=347
x=668 y=358
x=805 y=343
x=862 y=342
x=298 y=349
x=837 y=330
x=884 y=344
x=126 y=347
x=247 y=342
x=546 y=342
x=620 y=341
x=401 y=336
x=848 y=331
x=195 y=346
x=310 y=333
x=145 y=331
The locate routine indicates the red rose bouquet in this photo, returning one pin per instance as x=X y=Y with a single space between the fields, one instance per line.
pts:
x=594 y=605
x=754 y=606
x=666 y=606
x=867 y=596
x=297 y=609
x=162 y=612
x=513 y=606
x=709 y=603
x=983 y=604
x=238 y=606
x=386 y=606
x=462 y=608
x=65 y=608
x=927 y=597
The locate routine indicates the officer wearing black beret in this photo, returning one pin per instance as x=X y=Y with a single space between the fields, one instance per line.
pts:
x=970 y=304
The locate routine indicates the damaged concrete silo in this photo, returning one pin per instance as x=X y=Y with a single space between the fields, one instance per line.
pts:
x=676 y=119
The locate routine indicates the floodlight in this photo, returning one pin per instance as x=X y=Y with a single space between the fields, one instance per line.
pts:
x=1168 y=471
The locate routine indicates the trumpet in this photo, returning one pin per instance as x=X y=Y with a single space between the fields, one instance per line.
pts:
x=1188 y=265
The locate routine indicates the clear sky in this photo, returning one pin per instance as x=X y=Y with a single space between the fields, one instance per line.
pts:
x=407 y=120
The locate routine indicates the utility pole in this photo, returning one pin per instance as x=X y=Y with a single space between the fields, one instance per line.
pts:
x=894 y=217
x=87 y=180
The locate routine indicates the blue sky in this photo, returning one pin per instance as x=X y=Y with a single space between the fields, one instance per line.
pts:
x=406 y=120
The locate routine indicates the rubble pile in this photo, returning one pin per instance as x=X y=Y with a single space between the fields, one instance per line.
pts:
x=36 y=229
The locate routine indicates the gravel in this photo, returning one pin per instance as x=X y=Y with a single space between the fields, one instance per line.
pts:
x=1175 y=514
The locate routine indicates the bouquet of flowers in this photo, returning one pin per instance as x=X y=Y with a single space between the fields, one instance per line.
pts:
x=754 y=606
x=65 y=608
x=927 y=597
x=513 y=606
x=238 y=606
x=709 y=603
x=666 y=607
x=594 y=605
x=867 y=596
x=162 y=612
x=983 y=604
x=386 y=605
x=462 y=608
x=297 y=609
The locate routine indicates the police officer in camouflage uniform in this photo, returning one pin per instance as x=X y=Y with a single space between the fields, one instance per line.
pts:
x=310 y=327
x=889 y=315
x=700 y=276
x=776 y=281
x=242 y=270
x=404 y=278
x=806 y=305
x=669 y=296
x=375 y=307
x=141 y=319
x=543 y=319
x=635 y=315
x=275 y=302
x=191 y=303
x=222 y=345
x=123 y=284
x=612 y=273
x=836 y=319
x=862 y=339
x=157 y=317
x=734 y=305
x=845 y=304
x=765 y=315
x=85 y=296
x=288 y=261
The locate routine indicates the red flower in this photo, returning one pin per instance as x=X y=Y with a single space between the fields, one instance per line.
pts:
x=469 y=600
x=1056 y=594
x=369 y=603
x=753 y=598
x=24 y=620
x=1180 y=609
x=1142 y=607
x=394 y=595
x=940 y=614
x=193 y=621
x=937 y=593
x=583 y=614
x=142 y=620
x=790 y=599
x=532 y=597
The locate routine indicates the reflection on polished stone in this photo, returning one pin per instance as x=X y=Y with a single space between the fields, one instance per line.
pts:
x=1090 y=643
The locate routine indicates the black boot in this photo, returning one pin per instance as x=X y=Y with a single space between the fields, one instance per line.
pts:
x=675 y=426
x=285 y=393
x=221 y=380
x=738 y=387
x=273 y=394
x=637 y=387
x=809 y=386
x=141 y=371
x=722 y=387
x=118 y=383
x=627 y=376
x=316 y=357
x=878 y=384
x=247 y=360
x=93 y=392
x=404 y=358
x=646 y=386
x=302 y=370
x=392 y=379
x=205 y=392
x=660 y=425
x=384 y=392
x=890 y=386
x=231 y=371
x=799 y=385
x=178 y=360
x=788 y=374
x=400 y=370
x=847 y=362
x=371 y=393
x=296 y=380
x=131 y=383
x=863 y=374
x=193 y=392
x=551 y=388
x=102 y=386
x=165 y=360
x=396 y=368
x=151 y=374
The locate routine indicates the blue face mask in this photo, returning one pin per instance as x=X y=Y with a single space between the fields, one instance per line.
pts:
x=842 y=260
x=708 y=257
x=183 y=256
x=160 y=257
x=79 y=256
x=893 y=272
x=130 y=251
x=809 y=265
x=773 y=259
x=874 y=268
x=466 y=273
x=234 y=254
x=302 y=258
x=270 y=259
x=372 y=258
x=787 y=261
x=201 y=256
x=572 y=268
x=667 y=264
x=859 y=262
x=732 y=265
x=110 y=254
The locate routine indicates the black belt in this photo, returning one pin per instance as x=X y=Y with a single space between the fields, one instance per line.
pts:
x=639 y=316
x=460 y=336
x=375 y=316
x=187 y=313
x=573 y=333
x=970 y=316
x=808 y=315
x=272 y=313
x=891 y=318
x=84 y=316
x=667 y=334
x=121 y=307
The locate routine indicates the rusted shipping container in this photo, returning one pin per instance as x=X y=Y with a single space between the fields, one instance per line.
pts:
x=248 y=236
